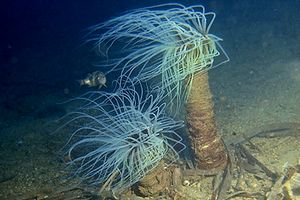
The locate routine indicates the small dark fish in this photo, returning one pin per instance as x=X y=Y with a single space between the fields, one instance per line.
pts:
x=95 y=79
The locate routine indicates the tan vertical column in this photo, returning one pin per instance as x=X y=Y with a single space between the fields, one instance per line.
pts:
x=209 y=150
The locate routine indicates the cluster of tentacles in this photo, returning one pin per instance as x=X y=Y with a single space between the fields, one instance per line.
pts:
x=169 y=42
x=122 y=136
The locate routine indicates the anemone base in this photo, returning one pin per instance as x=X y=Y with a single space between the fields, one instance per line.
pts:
x=208 y=147
x=155 y=182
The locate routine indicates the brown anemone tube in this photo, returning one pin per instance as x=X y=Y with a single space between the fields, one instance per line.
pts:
x=154 y=183
x=208 y=148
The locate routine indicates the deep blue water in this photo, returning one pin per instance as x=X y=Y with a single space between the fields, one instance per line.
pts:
x=41 y=40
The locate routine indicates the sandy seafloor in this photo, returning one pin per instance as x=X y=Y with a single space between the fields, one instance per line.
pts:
x=259 y=86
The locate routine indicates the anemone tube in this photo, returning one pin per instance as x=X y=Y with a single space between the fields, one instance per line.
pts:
x=172 y=42
x=121 y=137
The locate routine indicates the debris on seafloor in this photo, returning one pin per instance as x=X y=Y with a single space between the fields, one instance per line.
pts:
x=246 y=175
x=75 y=193
x=235 y=181
x=287 y=187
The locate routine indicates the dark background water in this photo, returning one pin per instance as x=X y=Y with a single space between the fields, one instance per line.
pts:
x=40 y=41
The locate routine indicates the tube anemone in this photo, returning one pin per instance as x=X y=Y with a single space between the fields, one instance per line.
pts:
x=121 y=136
x=169 y=41
x=172 y=42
